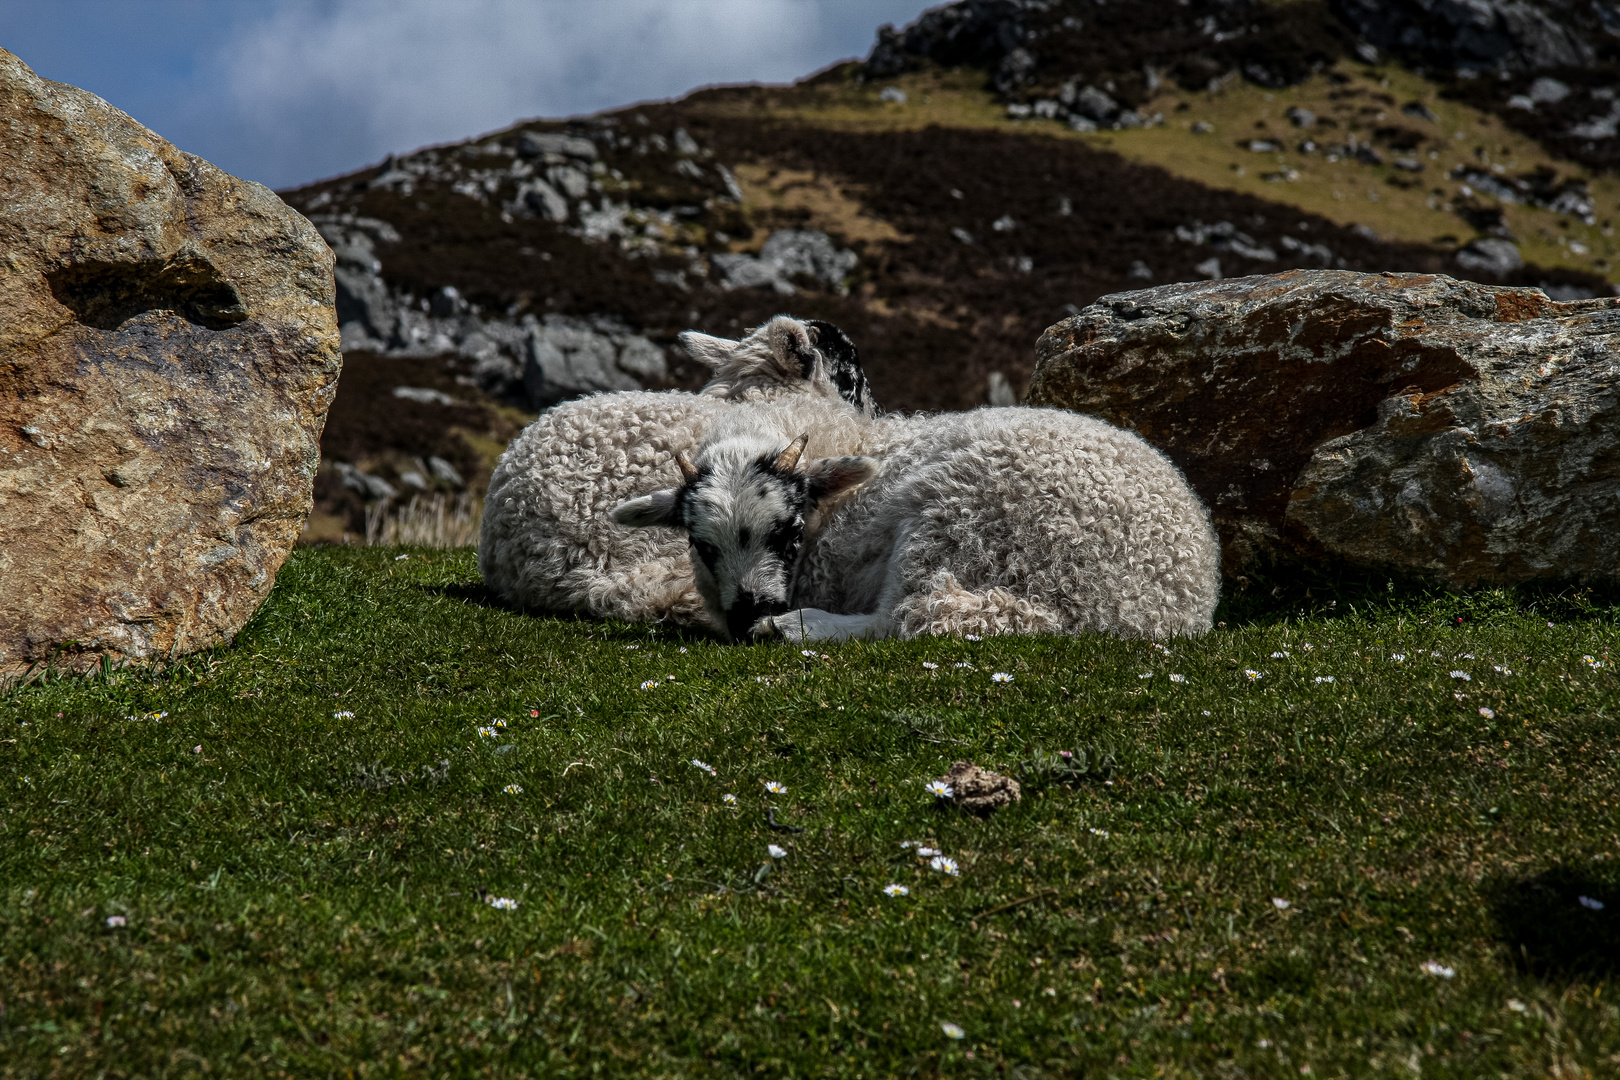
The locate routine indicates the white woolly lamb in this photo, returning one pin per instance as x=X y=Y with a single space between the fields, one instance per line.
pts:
x=545 y=542
x=1010 y=520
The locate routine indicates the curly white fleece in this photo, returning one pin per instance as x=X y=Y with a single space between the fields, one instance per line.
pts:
x=546 y=542
x=1009 y=520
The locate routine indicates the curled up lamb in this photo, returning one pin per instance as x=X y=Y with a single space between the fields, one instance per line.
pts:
x=545 y=541
x=811 y=522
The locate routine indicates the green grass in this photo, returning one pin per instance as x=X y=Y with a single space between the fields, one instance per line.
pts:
x=304 y=894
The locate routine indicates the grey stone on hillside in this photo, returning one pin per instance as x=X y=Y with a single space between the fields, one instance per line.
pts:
x=1481 y=35
x=368 y=487
x=787 y=254
x=1370 y=422
x=535 y=144
x=1490 y=255
x=568 y=357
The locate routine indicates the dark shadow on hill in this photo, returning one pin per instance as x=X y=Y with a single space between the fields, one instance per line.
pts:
x=1295 y=592
x=1563 y=923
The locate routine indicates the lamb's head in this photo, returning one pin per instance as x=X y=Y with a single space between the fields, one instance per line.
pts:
x=744 y=504
x=784 y=353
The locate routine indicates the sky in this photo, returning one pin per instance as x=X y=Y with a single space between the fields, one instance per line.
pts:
x=289 y=91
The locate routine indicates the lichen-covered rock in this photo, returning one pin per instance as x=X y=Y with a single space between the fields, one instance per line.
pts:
x=980 y=791
x=1415 y=423
x=168 y=350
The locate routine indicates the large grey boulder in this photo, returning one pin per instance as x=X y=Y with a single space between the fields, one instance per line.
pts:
x=1412 y=423
x=568 y=357
x=168 y=351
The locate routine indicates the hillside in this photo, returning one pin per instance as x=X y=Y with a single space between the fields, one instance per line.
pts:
x=985 y=172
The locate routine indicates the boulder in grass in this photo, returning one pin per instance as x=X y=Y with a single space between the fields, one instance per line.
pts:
x=168 y=350
x=1465 y=433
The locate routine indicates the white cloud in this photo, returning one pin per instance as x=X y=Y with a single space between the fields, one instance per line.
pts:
x=317 y=88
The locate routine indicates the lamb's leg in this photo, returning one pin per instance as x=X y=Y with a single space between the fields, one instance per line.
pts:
x=943 y=606
x=813 y=624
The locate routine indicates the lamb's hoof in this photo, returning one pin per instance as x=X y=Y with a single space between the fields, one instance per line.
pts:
x=765 y=631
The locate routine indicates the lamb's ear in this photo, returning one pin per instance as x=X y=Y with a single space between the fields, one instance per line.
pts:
x=655 y=509
x=706 y=350
x=833 y=475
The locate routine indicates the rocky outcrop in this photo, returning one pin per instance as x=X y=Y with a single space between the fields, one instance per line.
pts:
x=1485 y=35
x=168 y=351
x=1466 y=433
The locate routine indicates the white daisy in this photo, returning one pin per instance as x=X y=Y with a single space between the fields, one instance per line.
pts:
x=1307 y=646
x=119 y=920
x=962 y=665
x=775 y=788
x=1252 y=674
x=502 y=903
x=1279 y=655
x=729 y=799
x=808 y=652
x=1437 y=969
x=486 y=733
x=397 y=558
x=1099 y=832
x=705 y=766
x=1178 y=678
x=1517 y=1006
x=945 y=865
x=941 y=789
x=1590 y=904
x=1145 y=675
x=775 y=852
x=896 y=890
x=952 y=1031
x=1280 y=904
x=926 y=852
x=930 y=666
x=1503 y=671
x=1397 y=657
x=345 y=714
x=1463 y=675
x=1001 y=676
x=513 y=789
x=1489 y=714
x=972 y=637
x=1324 y=678
x=650 y=684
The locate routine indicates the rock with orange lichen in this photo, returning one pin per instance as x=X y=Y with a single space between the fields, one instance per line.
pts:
x=168 y=351
x=1409 y=423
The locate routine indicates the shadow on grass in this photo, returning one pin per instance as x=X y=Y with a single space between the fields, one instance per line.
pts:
x=1562 y=923
x=478 y=595
x=1294 y=593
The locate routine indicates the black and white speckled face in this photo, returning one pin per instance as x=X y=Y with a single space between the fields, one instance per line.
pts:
x=744 y=519
x=842 y=363
x=743 y=508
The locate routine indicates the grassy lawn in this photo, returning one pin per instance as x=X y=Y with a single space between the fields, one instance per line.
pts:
x=280 y=858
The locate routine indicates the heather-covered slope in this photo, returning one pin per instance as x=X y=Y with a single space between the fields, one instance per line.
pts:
x=940 y=209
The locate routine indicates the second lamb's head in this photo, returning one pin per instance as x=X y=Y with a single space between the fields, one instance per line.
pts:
x=744 y=504
x=784 y=356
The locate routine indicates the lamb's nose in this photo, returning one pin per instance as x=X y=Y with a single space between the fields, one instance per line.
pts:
x=748 y=610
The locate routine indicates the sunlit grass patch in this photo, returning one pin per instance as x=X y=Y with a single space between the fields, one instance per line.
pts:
x=397 y=829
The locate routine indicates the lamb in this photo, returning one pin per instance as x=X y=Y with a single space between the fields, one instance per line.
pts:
x=996 y=521
x=544 y=543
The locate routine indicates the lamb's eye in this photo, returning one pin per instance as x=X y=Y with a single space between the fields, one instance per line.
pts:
x=706 y=551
